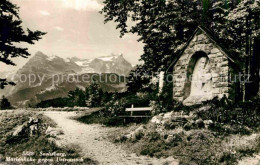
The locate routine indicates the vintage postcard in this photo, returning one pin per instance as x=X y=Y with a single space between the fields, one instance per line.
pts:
x=127 y=82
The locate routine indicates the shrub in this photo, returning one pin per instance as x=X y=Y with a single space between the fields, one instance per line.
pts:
x=240 y=116
x=57 y=102
x=116 y=106
x=94 y=95
x=162 y=101
x=5 y=104
x=102 y=117
x=119 y=102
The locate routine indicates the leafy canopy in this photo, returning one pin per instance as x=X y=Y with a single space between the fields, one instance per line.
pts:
x=11 y=33
x=164 y=26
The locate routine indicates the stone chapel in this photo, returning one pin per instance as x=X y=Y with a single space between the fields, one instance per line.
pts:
x=204 y=70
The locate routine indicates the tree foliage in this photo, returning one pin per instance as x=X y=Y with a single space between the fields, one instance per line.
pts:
x=4 y=103
x=94 y=95
x=12 y=32
x=77 y=97
x=164 y=26
x=137 y=79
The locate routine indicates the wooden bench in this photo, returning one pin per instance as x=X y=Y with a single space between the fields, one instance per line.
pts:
x=139 y=109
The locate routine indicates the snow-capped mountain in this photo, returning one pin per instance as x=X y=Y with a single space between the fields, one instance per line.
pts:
x=107 y=64
x=43 y=68
x=41 y=63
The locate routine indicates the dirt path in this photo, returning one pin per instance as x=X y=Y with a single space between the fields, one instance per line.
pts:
x=91 y=139
x=254 y=160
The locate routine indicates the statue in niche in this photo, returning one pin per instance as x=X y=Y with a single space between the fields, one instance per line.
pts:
x=201 y=83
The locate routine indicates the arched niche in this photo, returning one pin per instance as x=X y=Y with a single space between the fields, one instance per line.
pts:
x=199 y=80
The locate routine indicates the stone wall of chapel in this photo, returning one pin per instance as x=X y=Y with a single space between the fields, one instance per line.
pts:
x=219 y=63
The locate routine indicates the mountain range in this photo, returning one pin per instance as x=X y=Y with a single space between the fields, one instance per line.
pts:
x=46 y=77
x=41 y=63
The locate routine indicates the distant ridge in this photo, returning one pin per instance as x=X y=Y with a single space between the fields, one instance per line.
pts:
x=25 y=93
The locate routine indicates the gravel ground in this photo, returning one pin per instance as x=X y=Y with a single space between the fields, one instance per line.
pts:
x=93 y=143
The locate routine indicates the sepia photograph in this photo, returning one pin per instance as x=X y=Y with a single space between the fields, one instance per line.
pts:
x=129 y=82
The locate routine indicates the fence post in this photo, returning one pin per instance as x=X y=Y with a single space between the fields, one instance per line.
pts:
x=132 y=109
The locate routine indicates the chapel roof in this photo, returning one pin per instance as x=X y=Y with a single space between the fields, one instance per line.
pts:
x=213 y=39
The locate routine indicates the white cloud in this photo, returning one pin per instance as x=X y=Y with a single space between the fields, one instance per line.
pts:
x=90 y=5
x=45 y=13
x=58 y=28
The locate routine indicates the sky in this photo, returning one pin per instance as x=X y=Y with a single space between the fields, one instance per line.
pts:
x=74 y=29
